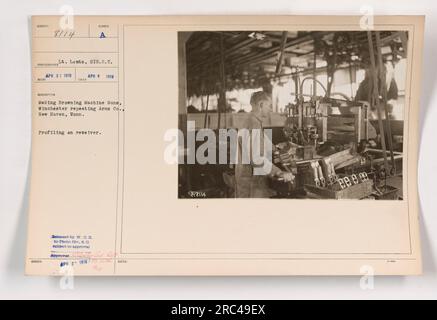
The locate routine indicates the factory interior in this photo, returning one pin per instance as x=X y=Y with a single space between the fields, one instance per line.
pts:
x=338 y=103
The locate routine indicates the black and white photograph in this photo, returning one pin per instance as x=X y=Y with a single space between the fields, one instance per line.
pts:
x=292 y=114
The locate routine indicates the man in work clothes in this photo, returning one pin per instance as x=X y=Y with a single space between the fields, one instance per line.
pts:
x=248 y=184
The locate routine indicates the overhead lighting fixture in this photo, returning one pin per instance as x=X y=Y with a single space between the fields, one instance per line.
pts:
x=257 y=35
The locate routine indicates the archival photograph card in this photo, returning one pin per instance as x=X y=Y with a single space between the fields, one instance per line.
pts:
x=225 y=145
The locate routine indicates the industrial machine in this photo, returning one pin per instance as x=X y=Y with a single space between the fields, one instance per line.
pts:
x=325 y=166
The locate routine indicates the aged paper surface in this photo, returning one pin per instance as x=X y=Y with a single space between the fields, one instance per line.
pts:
x=108 y=92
